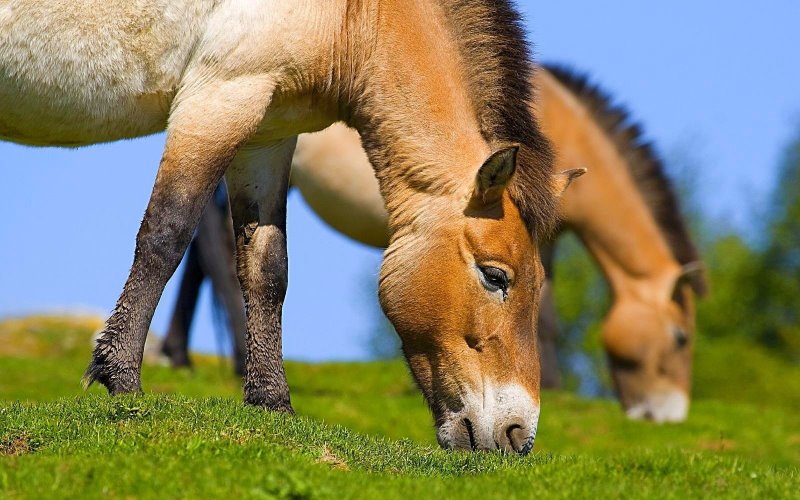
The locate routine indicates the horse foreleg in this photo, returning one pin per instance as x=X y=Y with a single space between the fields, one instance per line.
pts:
x=207 y=126
x=257 y=182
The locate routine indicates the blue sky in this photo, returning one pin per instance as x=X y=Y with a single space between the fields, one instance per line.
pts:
x=719 y=81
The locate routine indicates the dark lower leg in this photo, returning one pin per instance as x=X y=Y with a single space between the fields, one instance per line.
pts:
x=171 y=216
x=208 y=124
x=176 y=343
x=259 y=221
x=215 y=241
x=263 y=271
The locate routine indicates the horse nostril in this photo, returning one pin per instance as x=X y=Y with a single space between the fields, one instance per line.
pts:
x=519 y=440
x=510 y=429
x=474 y=343
x=470 y=433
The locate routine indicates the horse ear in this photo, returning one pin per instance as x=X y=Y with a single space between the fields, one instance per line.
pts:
x=563 y=179
x=693 y=274
x=495 y=174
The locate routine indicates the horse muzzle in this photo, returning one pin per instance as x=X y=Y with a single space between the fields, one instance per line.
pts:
x=672 y=406
x=505 y=419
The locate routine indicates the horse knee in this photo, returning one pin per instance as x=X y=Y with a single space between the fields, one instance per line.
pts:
x=266 y=269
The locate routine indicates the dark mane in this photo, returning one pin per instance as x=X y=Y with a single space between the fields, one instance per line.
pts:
x=645 y=166
x=494 y=47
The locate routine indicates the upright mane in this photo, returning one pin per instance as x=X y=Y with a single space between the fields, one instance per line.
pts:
x=494 y=48
x=645 y=166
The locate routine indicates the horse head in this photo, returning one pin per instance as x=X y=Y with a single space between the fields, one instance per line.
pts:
x=461 y=286
x=652 y=369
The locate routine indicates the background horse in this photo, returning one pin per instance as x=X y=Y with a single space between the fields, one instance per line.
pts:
x=626 y=214
x=439 y=91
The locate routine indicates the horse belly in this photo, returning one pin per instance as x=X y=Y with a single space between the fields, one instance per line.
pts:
x=74 y=73
x=32 y=119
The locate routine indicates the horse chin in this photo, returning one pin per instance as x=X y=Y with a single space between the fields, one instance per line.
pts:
x=503 y=418
x=661 y=407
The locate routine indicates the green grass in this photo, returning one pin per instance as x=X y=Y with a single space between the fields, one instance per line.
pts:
x=363 y=431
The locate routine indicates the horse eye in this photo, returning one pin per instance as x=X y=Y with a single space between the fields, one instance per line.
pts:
x=681 y=338
x=494 y=279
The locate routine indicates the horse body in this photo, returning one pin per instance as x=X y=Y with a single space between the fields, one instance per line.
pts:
x=649 y=329
x=438 y=90
x=78 y=73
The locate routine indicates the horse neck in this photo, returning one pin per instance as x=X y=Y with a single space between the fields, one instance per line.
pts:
x=414 y=111
x=606 y=210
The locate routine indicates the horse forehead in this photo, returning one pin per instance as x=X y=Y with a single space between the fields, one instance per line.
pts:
x=651 y=318
x=501 y=234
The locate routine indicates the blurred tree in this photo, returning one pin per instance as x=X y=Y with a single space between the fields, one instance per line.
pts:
x=734 y=270
x=780 y=297
x=582 y=299
x=755 y=289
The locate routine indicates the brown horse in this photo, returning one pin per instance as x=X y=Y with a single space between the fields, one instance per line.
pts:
x=629 y=220
x=439 y=91
x=625 y=213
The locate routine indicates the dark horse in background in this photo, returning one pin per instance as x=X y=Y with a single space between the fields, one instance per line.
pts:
x=625 y=212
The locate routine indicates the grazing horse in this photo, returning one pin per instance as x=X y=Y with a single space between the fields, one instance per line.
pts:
x=440 y=93
x=626 y=214
x=628 y=217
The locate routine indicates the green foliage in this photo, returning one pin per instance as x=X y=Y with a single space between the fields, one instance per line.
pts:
x=756 y=289
x=780 y=286
x=582 y=299
x=737 y=370
x=363 y=431
x=730 y=309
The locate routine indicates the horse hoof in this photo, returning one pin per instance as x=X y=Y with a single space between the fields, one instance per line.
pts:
x=115 y=381
x=281 y=405
x=282 y=408
x=276 y=407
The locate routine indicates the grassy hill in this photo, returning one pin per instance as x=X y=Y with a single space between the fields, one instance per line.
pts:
x=363 y=431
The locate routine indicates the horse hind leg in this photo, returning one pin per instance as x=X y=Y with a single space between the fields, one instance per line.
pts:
x=215 y=241
x=175 y=346
x=205 y=131
x=257 y=183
